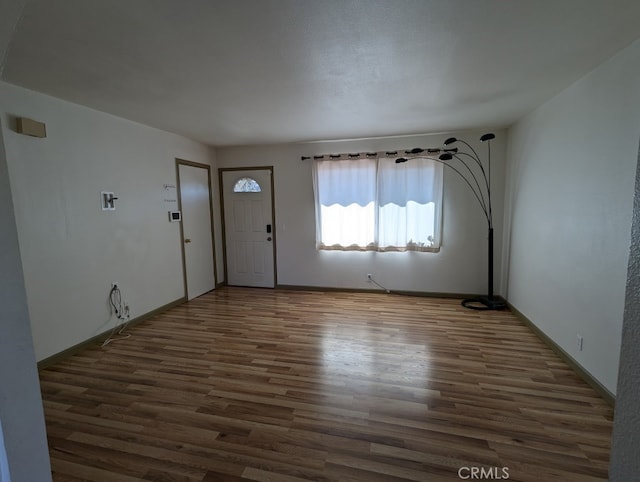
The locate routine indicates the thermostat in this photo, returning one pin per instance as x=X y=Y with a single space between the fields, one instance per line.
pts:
x=175 y=216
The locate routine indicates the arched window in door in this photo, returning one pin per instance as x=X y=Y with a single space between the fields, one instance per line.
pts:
x=246 y=184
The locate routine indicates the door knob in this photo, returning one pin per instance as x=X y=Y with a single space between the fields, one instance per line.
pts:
x=187 y=240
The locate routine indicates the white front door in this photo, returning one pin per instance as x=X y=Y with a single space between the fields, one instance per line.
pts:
x=249 y=228
x=195 y=202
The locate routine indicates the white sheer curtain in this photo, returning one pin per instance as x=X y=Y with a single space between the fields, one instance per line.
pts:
x=409 y=204
x=376 y=204
x=345 y=193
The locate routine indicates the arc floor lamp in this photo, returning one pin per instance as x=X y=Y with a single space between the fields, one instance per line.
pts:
x=469 y=166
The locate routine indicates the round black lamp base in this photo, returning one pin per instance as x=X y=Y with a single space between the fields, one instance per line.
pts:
x=484 y=303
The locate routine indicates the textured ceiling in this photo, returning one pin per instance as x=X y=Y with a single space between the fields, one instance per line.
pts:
x=268 y=71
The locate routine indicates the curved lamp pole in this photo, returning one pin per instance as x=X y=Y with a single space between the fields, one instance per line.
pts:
x=471 y=169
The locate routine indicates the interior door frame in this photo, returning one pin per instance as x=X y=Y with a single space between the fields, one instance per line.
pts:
x=184 y=162
x=222 y=170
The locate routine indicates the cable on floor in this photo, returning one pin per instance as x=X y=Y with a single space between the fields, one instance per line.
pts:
x=121 y=313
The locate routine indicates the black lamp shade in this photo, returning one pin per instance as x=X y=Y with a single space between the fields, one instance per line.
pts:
x=450 y=140
x=487 y=137
x=445 y=156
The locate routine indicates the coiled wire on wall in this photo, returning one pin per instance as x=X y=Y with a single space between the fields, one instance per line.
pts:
x=121 y=312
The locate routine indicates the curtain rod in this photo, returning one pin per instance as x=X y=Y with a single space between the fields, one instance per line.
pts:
x=364 y=155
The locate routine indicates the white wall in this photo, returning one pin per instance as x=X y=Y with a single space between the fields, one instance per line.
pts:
x=4 y=463
x=570 y=190
x=23 y=446
x=625 y=464
x=217 y=217
x=71 y=250
x=459 y=267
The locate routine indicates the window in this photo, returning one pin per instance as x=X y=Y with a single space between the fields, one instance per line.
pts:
x=376 y=204
x=246 y=184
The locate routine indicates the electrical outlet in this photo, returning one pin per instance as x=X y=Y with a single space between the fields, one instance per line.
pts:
x=580 y=342
x=369 y=277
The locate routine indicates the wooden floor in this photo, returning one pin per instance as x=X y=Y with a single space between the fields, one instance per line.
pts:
x=244 y=384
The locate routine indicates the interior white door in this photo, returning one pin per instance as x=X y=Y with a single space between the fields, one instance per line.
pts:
x=249 y=229
x=195 y=201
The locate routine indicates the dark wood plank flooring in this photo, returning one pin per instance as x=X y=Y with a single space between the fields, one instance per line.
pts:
x=272 y=385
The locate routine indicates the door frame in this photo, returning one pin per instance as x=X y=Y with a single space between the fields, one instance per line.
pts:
x=184 y=162
x=221 y=170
